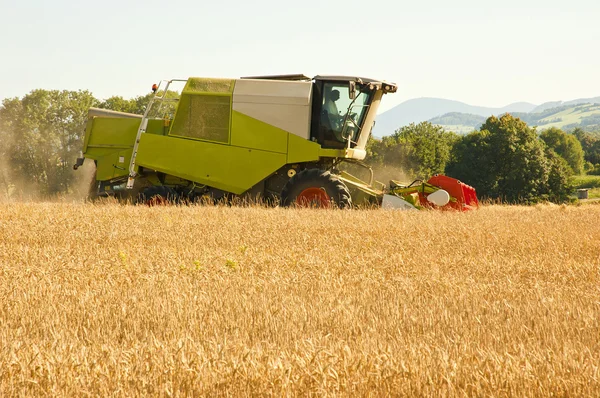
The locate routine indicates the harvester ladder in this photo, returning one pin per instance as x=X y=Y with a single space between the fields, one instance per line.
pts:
x=144 y=125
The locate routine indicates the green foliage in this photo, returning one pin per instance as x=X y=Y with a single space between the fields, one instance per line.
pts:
x=506 y=160
x=420 y=149
x=458 y=118
x=595 y=170
x=590 y=143
x=138 y=104
x=586 y=181
x=589 y=182
x=41 y=135
x=560 y=181
x=134 y=105
x=565 y=145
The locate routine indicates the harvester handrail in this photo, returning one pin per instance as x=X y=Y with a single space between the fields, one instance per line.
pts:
x=144 y=125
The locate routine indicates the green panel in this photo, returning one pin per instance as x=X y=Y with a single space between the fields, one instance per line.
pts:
x=302 y=150
x=105 y=169
x=157 y=126
x=332 y=153
x=248 y=132
x=205 y=117
x=109 y=165
x=113 y=132
x=225 y=167
x=209 y=85
x=103 y=133
x=122 y=168
x=88 y=131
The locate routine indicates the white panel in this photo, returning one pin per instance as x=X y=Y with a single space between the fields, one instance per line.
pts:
x=292 y=118
x=394 y=202
x=439 y=198
x=272 y=92
x=357 y=153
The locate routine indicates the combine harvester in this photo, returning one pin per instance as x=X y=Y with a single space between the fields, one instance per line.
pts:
x=280 y=138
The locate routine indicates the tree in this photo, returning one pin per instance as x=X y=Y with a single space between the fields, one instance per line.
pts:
x=43 y=134
x=420 y=149
x=506 y=160
x=559 y=184
x=590 y=145
x=138 y=104
x=566 y=146
x=135 y=105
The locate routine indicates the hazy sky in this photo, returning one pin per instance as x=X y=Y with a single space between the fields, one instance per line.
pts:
x=471 y=51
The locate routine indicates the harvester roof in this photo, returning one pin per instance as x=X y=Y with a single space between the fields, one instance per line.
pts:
x=390 y=87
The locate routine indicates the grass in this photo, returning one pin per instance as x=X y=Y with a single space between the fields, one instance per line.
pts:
x=592 y=183
x=129 y=300
x=572 y=115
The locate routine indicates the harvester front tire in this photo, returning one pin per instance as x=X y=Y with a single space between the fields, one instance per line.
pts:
x=316 y=188
x=157 y=196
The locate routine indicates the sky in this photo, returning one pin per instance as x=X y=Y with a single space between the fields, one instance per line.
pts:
x=479 y=52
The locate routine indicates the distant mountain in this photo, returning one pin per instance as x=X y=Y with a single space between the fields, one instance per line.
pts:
x=422 y=109
x=461 y=123
x=456 y=118
x=583 y=115
x=556 y=104
x=463 y=118
x=566 y=117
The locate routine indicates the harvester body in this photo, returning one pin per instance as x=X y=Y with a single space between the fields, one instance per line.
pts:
x=277 y=137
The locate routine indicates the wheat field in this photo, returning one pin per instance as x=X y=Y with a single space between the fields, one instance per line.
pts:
x=122 y=300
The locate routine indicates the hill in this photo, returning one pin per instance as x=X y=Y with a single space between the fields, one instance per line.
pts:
x=463 y=118
x=556 y=104
x=422 y=109
x=461 y=123
x=585 y=116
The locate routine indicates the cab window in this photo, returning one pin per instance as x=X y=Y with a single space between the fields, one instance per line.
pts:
x=341 y=117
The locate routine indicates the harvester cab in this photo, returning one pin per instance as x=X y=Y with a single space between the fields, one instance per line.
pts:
x=344 y=110
x=281 y=138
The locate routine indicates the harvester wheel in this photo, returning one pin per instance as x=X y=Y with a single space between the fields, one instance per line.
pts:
x=316 y=188
x=157 y=196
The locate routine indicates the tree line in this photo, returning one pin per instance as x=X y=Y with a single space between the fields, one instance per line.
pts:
x=505 y=159
x=41 y=135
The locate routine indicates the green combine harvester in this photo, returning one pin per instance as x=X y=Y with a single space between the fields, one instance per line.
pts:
x=279 y=138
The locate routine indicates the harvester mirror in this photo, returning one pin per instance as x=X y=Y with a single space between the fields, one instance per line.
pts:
x=352 y=90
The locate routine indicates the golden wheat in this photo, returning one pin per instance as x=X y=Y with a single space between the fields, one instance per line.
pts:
x=112 y=300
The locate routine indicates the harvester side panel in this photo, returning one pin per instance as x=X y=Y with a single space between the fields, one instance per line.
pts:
x=248 y=132
x=301 y=150
x=204 y=110
x=110 y=141
x=283 y=104
x=203 y=117
x=114 y=133
x=232 y=169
